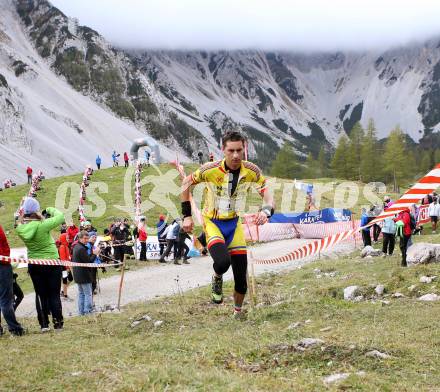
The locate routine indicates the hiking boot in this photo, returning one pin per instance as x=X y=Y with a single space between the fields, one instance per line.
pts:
x=176 y=261
x=185 y=261
x=217 y=289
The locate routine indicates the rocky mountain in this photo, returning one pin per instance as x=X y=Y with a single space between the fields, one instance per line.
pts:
x=67 y=94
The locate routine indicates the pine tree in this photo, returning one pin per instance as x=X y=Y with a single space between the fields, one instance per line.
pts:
x=395 y=159
x=426 y=163
x=339 y=161
x=285 y=164
x=354 y=153
x=369 y=153
x=311 y=170
x=322 y=163
x=437 y=156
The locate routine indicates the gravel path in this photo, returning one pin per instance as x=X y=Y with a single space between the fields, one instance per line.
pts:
x=159 y=280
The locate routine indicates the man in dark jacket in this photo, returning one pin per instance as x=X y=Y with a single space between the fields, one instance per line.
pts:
x=6 y=290
x=120 y=235
x=83 y=276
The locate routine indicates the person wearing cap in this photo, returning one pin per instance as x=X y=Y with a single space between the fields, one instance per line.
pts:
x=161 y=237
x=34 y=231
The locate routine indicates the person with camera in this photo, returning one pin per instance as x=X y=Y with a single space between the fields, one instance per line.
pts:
x=119 y=234
x=34 y=230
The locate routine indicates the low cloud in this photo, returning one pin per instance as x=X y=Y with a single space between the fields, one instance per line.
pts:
x=258 y=24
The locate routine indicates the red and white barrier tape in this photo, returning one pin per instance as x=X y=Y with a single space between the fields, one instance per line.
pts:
x=53 y=262
x=424 y=186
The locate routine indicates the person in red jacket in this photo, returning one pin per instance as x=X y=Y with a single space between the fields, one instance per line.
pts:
x=6 y=289
x=126 y=159
x=405 y=236
x=29 y=175
x=142 y=235
x=63 y=251
x=72 y=231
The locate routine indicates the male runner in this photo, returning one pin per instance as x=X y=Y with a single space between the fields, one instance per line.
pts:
x=227 y=183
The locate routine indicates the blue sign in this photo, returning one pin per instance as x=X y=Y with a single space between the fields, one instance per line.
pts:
x=327 y=215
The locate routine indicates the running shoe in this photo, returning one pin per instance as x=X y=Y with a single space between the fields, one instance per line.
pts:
x=217 y=290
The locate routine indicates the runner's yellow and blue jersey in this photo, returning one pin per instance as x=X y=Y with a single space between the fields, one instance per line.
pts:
x=219 y=203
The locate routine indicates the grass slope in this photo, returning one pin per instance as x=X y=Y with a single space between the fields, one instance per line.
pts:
x=114 y=178
x=200 y=346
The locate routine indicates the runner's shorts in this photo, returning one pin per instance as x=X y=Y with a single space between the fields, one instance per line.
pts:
x=229 y=232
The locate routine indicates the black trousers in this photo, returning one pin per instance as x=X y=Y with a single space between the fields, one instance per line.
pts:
x=376 y=232
x=162 y=246
x=223 y=260
x=403 y=246
x=143 y=255
x=388 y=243
x=47 y=286
x=170 y=244
x=366 y=238
x=18 y=293
x=118 y=253
x=183 y=250
x=126 y=163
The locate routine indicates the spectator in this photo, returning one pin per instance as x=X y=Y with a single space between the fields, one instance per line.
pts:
x=106 y=247
x=98 y=162
x=72 y=231
x=403 y=230
x=366 y=238
x=427 y=200
x=142 y=233
x=119 y=234
x=29 y=175
x=200 y=155
x=63 y=228
x=147 y=157
x=126 y=159
x=183 y=248
x=388 y=231
x=372 y=214
x=90 y=248
x=115 y=156
x=434 y=213
x=83 y=275
x=171 y=233
x=161 y=236
x=34 y=231
x=6 y=290
x=88 y=226
x=63 y=251
x=211 y=157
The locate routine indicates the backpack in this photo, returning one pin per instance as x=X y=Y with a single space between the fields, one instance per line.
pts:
x=399 y=228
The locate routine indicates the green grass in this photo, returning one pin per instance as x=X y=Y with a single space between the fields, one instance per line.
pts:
x=200 y=346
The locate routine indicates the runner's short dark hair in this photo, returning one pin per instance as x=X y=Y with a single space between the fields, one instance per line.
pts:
x=232 y=136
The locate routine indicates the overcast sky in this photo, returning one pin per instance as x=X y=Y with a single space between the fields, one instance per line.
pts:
x=258 y=24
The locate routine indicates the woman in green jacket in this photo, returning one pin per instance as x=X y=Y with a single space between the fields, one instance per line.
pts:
x=35 y=230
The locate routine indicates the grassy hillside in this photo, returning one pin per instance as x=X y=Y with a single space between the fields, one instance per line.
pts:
x=200 y=346
x=286 y=198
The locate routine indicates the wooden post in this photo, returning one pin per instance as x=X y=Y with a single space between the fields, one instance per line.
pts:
x=121 y=282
